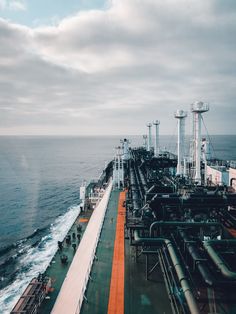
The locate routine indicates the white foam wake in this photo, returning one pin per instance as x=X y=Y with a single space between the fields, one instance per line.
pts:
x=37 y=259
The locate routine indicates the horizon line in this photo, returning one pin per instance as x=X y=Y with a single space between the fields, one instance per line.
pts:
x=98 y=135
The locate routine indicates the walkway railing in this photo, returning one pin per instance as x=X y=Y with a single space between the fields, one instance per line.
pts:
x=72 y=292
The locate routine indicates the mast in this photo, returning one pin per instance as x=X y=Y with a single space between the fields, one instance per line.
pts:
x=180 y=115
x=118 y=169
x=198 y=107
x=156 y=147
x=149 y=125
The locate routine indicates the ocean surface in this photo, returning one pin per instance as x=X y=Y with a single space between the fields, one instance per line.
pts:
x=40 y=179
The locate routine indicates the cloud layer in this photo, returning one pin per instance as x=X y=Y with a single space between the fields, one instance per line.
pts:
x=12 y=5
x=110 y=71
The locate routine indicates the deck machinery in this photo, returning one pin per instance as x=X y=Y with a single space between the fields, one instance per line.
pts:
x=184 y=227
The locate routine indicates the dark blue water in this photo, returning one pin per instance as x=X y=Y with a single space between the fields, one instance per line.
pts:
x=39 y=196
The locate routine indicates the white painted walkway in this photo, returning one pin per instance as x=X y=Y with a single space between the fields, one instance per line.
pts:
x=71 y=295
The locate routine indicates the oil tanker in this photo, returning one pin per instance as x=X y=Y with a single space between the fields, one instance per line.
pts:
x=155 y=234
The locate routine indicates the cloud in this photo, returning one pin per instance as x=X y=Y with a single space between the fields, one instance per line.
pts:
x=3 y=4
x=17 y=5
x=110 y=71
x=13 y=5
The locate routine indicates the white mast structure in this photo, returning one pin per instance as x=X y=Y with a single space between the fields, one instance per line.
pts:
x=125 y=145
x=156 y=147
x=149 y=125
x=118 y=169
x=181 y=115
x=198 y=107
x=145 y=141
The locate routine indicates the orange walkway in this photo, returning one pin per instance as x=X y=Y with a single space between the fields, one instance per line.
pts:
x=116 y=297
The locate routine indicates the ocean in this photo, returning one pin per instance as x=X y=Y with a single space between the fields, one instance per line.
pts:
x=40 y=179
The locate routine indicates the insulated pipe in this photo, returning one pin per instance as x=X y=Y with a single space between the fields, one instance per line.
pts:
x=181 y=224
x=134 y=190
x=143 y=180
x=202 y=268
x=178 y=268
x=217 y=260
x=138 y=184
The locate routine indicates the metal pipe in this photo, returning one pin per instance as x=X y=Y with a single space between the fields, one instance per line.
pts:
x=180 y=115
x=198 y=260
x=181 y=224
x=217 y=260
x=225 y=242
x=151 y=190
x=185 y=167
x=231 y=181
x=156 y=146
x=149 y=125
x=138 y=183
x=193 y=307
x=143 y=180
x=195 y=201
x=198 y=118
x=134 y=190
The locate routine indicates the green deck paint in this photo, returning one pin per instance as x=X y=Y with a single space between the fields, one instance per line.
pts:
x=57 y=271
x=98 y=288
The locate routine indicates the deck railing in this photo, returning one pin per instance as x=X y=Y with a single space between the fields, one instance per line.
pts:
x=72 y=293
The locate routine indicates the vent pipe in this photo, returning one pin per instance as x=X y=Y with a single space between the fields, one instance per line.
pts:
x=198 y=107
x=180 y=115
x=156 y=147
x=149 y=125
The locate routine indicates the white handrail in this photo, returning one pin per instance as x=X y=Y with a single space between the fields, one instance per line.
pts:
x=71 y=295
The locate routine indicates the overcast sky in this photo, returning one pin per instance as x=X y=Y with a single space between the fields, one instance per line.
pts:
x=87 y=67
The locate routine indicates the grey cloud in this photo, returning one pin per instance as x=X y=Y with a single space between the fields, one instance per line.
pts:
x=111 y=71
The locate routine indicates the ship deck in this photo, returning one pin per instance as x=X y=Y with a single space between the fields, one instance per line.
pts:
x=134 y=295
x=97 y=293
x=139 y=295
x=56 y=270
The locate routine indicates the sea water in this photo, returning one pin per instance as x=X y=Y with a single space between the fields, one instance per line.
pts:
x=39 y=197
